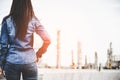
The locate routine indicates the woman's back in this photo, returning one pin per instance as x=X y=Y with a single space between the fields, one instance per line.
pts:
x=16 y=41
x=20 y=51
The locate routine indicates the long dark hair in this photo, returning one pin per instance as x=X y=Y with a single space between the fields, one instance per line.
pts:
x=21 y=13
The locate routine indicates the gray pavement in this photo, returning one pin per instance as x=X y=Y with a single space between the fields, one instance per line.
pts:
x=77 y=74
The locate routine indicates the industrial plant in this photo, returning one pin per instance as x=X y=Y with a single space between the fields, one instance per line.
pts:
x=113 y=61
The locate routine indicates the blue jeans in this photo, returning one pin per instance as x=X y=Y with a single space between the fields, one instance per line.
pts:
x=14 y=71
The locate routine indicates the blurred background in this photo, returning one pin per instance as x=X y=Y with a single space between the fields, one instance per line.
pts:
x=84 y=33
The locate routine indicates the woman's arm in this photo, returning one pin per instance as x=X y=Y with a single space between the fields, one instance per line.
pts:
x=3 y=43
x=40 y=30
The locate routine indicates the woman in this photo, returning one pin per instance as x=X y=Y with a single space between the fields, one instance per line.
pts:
x=17 y=51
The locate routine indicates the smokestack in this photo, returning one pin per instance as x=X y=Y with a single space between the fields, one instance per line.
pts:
x=79 y=55
x=58 y=50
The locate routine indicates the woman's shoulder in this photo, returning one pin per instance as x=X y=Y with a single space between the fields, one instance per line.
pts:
x=35 y=20
x=6 y=18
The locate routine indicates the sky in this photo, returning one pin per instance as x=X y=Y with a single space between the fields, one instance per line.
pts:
x=94 y=23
